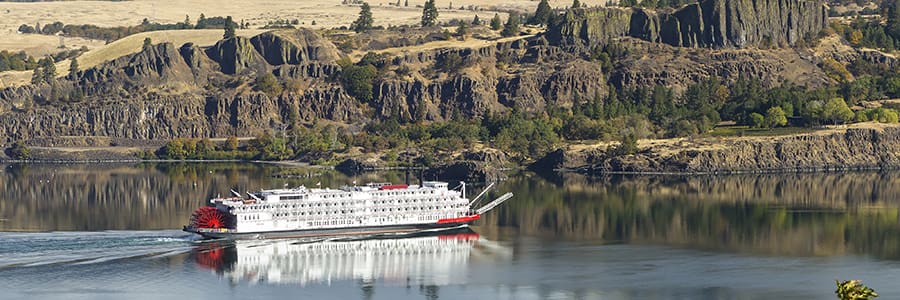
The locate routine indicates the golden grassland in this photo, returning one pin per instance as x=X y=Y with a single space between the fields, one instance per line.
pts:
x=326 y=14
x=128 y=45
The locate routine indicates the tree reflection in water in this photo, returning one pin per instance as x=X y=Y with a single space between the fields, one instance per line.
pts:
x=779 y=214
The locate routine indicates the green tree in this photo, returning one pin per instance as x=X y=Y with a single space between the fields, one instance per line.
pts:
x=73 y=68
x=429 y=14
x=201 y=21
x=853 y=290
x=175 y=149
x=511 y=28
x=836 y=110
x=187 y=22
x=364 y=21
x=229 y=28
x=461 y=30
x=856 y=37
x=267 y=83
x=542 y=14
x=357 y=80
x=147 y=44
x=576 y=4
x=49 y=69
x=20 y=151
x=231 y=143
x=37 y=77
x=757 y=120
x=775 y=117
x=476 y=21
x=496 y=22
x=627 y=146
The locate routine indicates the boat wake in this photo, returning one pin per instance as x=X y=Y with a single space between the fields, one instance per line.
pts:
x=76 y=248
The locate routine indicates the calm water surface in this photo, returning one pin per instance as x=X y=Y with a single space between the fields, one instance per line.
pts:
x=110 y=232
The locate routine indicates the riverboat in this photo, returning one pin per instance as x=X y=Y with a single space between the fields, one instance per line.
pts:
x=351 y=210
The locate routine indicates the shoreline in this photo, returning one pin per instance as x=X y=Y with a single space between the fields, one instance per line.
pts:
x=857 y=147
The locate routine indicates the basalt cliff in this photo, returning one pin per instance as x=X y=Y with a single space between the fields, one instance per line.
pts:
x=710 y=23
x=169 y=91
x=866 y=146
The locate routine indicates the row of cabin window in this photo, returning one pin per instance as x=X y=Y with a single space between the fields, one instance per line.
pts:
x=336 y=196
x=294 y=214
x=406 y=193
x=332 y=222
x=285 y=206
x=411 y=201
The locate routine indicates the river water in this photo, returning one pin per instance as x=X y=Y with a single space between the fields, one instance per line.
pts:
x=110 y=231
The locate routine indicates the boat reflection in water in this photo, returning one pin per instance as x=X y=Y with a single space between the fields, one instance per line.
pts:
x=437 y=258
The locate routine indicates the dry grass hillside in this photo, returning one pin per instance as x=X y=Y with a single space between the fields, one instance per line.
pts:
x=128 y=45
x=326 y=14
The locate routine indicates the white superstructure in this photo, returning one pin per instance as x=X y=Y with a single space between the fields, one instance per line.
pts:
x=352 y=209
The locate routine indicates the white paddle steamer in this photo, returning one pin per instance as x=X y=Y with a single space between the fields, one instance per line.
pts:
x=351 y=210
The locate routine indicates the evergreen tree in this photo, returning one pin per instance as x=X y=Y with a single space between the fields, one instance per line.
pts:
x=892 y=11
x=406 y=3
x=542 y=15
x=476 y=21
x=429 y=14
x=496 y=23
x=461 y=30
x=187 y=22
x=37 y=77
x=576 y=4
x=147 y=44
x=229 y=28
x=201 y=21
x=73 y=68
x=364 y=22
x=49 y=67
x=511 y=28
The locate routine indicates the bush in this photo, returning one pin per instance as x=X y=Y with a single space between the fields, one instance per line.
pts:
x=853 y=290
x=19 y=151
x=357 y=80
x=267 y=83
x=627 y=146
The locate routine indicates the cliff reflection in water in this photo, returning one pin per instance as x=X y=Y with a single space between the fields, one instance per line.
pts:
x=432 y=259
x=784 y=214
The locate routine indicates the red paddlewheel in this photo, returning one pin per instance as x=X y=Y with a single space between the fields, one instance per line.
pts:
x=210 y=217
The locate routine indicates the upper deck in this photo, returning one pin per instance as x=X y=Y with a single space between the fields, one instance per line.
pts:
x=428 y=189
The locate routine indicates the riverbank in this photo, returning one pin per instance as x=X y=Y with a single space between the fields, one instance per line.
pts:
x=869 y=146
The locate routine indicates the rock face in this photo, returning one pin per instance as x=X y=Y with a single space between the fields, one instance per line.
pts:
x=234 y=55
x=709 y=23
x=169 y=91
x=294 y=47
x=850 y=149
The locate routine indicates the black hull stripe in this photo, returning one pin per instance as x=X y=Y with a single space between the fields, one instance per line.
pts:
x=324 y=232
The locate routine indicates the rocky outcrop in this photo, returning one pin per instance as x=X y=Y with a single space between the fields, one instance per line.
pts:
x=474 y=166
x=709 y=23
x=848 y=149
x=294 y=47
x=352 y=166
x=235 y=55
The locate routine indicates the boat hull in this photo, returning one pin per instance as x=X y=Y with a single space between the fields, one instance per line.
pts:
x=345 y=231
